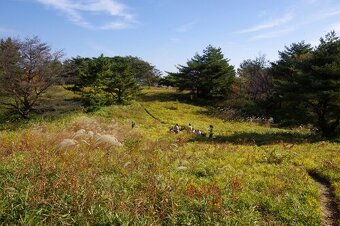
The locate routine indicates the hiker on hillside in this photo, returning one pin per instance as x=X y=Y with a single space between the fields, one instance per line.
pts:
x=175 y=128
x=198 y=132
x=189 y=127
x=211 y=131
x=133 y=124
x=271 y=120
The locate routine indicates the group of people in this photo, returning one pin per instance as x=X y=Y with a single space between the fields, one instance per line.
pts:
x=176 y=129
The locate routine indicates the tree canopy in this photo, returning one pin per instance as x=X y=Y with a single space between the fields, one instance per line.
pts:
x=207 y=75
x=145 y=73
x=117 y=79
x=307 y=84
x=254 y=86
x=104 y=80
x=27 y=69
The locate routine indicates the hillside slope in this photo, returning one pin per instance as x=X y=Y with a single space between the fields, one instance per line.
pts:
x=246 y=175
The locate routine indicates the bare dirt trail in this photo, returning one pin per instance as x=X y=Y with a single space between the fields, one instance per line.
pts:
x=329 y=208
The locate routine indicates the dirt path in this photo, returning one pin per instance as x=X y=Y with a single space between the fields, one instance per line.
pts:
x=329 y=208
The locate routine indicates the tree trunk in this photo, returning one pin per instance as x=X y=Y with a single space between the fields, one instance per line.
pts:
x=26 y=108
x=25 y=114
x=119 y=96
x=328 y=129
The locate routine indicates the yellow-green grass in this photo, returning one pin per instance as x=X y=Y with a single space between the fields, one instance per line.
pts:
x=247 y=175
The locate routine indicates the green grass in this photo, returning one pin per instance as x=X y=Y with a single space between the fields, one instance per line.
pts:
x=247 y=175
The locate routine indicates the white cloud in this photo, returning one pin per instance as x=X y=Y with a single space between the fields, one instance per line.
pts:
x=273 y=34
x=75 y=9
x=331 y=13
x=269 y=24
x=185 y=27
x=114 y=26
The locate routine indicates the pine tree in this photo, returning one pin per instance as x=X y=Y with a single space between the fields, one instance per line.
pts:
x=290 y=107
x=207 y=75
x=322 y=85
x=307 y=84
x=103 y=81
x=117 y=79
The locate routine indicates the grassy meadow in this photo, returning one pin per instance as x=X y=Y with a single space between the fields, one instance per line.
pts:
x=249 y=174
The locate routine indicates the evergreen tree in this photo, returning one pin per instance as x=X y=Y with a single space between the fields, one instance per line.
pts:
x=321 y=79
x=168 y=80
x=289 y=109
x=103 y=80
x=117 y=79
x=145 y=73
x=207 y=75
x=307 y=84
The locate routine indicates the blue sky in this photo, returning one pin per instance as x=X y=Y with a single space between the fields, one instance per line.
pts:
x=168 y=32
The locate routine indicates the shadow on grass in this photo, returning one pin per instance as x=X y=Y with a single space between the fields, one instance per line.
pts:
x=183 y=97
x=244 y=138
x=163 y=97
x=48 y=110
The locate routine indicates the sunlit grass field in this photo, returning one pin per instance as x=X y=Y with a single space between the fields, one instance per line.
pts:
x=246 y=175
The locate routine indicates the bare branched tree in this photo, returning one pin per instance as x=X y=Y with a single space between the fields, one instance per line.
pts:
x=27 y=69
x=256 y=78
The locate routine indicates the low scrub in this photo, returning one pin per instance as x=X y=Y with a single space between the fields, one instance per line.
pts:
x=157 y=177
